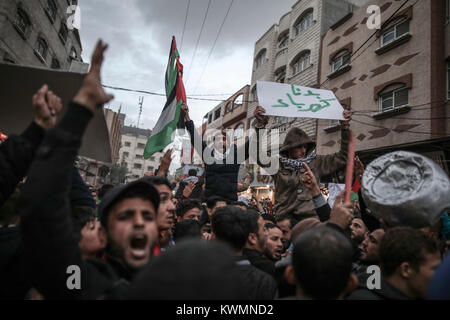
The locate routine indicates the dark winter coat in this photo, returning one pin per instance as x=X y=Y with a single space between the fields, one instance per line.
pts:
x=221 y=179
x=259 y=261
x=258 y=284
x=16 y=155
x=50 y=246
x=386 y=291
x=198 y=190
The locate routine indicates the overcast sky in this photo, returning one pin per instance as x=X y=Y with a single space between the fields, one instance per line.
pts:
x=139 y=34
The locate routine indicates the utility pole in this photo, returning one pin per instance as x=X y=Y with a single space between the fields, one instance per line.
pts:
x=141 y=102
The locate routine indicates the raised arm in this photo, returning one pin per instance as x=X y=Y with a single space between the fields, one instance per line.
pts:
x=17 y=152
x=328 y=164
x=193 y=133
x=47 y=231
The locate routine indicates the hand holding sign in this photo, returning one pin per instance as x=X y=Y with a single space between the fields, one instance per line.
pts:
x=296 y=101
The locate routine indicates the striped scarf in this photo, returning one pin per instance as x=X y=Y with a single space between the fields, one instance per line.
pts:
x=296 y=164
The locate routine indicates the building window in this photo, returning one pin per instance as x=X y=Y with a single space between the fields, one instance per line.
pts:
x=73 y=54
x=63 y=32
x=127 y=144
x=395 y=32
x=260 y=59
x=448 y=79
x=152 y=159
x=302 y=62
x=138 y=166
x=51 y=10
x=139 y=157
x=304 y=22
x=254 y=94
x=141 y=146
x=210 y=118
x=41 y=47
x=22 y=22
x=228 y=107
x=239 y=131
x=341 y=60
x=55 y=64
x=150 y=169
x=126 y=154
x=280 y=76
x=393 y=99
x=283 y=42
x=217 y=114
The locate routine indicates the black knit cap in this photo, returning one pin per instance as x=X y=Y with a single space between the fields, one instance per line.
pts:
x=114 y=194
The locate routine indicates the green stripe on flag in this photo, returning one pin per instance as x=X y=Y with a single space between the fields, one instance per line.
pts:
x=162 y=139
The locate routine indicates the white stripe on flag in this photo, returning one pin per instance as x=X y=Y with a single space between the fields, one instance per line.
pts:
x=167 y=116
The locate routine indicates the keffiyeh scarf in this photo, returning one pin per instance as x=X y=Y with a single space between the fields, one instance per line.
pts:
x=296 y=164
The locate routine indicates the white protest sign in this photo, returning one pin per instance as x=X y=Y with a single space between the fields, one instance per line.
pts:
x=288 y=100
x=333 y=190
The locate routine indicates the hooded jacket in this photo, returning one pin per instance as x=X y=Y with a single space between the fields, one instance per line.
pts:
x=291 y=196
x=221 y=178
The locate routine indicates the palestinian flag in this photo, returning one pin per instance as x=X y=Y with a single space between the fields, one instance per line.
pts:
x=171 y=117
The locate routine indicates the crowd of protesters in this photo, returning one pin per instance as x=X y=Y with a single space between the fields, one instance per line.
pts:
x=197 y=239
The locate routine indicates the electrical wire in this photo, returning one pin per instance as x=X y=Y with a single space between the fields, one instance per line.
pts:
x=214 y=45
x=198 y=41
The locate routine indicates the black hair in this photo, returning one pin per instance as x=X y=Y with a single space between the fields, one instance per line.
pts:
x=186 y=205
x=405 y=244
x=103 y=190
x=253 y=218
x=269 y=217
x=192 y=173
x=272 y=226
x=192 y=270
x=81 y=215
x=158 y=181
x=211 y=201
x=186 y=229
x=322 y=261
x=292 y=221
x=230 y=224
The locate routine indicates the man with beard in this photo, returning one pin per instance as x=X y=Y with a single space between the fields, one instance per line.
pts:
x=274 y=243
x=358 y=230
x=408 y=259
x=52 y=257
x=256 y=243
x=369 y=252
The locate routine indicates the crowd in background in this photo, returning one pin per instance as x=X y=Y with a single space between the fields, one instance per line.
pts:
x=196 y=238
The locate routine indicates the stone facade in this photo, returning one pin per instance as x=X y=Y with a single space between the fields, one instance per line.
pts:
x=23 y=23
x=414 y=62
x=115 y=122
x=280 y=59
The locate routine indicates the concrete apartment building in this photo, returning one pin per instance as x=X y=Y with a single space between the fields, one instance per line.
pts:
x=398 y=84
x=35 y=33
x=229 y=115
x=131 y=153
x=115 y=122
x=289 y=53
